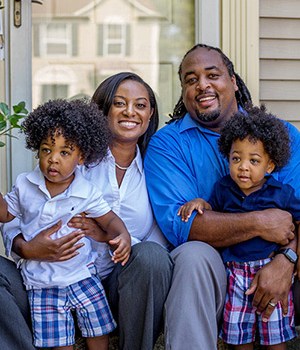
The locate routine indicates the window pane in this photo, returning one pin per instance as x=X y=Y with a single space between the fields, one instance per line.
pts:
x=114 y=49
x=56 y=31
x=56 y=49
x=114 y=31
x=50 y=92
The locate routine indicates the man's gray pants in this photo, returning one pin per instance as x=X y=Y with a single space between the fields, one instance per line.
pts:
x=194 y=307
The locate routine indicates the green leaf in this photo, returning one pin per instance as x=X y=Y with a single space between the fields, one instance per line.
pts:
x=3 y=125
x=4 y=108
x=19 y=108
x=9 y=121
x=14 y=120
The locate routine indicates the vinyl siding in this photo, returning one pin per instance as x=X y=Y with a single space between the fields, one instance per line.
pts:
x=280 y=58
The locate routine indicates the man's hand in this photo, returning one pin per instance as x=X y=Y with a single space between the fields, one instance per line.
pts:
x=275 y=225
x=271 y=285
x=43 y=247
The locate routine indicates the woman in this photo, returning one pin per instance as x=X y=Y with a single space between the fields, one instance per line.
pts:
x=137 y=291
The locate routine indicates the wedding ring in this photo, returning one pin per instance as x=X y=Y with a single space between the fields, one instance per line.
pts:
x=272 y=304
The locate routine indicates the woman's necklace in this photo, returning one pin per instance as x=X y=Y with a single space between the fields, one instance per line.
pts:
x=121 y=167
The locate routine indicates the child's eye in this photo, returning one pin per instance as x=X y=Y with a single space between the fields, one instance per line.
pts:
x=235 y=159
x=64 y=153
x=254 y=161
x=45 y=150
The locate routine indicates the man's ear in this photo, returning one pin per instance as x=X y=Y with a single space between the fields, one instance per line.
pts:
x=233 y=79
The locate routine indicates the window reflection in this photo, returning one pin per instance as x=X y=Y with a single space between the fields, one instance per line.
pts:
x=78 y=43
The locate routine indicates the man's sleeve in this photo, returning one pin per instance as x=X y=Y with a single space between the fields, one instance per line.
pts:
x=290 y=174
x=171 y=183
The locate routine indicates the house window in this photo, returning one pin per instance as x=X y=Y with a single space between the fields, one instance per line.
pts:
x=53 y=91
x=114 y=39
x=54 y=39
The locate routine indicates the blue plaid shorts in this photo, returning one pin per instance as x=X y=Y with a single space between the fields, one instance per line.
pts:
x=51 y=312
x=241 y=323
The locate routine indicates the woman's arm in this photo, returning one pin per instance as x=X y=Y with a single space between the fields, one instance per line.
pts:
x=108 y=228
x=5 y=215
x=43 y=248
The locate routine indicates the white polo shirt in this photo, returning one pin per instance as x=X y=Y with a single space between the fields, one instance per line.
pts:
x=31 y=202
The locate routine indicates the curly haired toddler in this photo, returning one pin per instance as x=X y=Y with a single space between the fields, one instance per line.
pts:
x=66 y=134
x=256 y=144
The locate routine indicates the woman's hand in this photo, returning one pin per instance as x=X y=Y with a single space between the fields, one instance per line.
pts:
x=43 y=247
x=121 y=246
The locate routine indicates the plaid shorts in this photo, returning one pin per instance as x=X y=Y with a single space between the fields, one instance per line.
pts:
x=241 y=323
x=51 y=312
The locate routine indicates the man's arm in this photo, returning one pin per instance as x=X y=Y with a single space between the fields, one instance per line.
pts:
x=225 y=229
x=175 y=177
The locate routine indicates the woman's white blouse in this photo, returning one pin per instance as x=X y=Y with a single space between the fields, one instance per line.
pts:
x=130 y=202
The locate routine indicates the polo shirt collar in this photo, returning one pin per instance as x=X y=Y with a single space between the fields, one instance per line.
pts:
x=228 y=182
x=77 y=188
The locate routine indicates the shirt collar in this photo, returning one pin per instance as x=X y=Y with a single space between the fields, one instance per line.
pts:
x=228 y=182
x=137 y=161
x=189 y=123
x=77 y=188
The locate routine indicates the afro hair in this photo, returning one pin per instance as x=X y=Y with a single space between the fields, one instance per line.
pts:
x=257 y=125
x=80 y=122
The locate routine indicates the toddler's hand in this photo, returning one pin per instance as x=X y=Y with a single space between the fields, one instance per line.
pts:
x=199 y=204
x=121 y=246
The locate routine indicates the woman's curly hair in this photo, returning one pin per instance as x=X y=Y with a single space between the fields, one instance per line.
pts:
x=80 y=122
x=257 y=125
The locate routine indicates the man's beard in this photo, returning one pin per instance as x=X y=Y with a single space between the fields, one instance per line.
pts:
x=208 y=117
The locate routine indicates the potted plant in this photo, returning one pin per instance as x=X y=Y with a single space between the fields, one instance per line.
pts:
x=11 y=120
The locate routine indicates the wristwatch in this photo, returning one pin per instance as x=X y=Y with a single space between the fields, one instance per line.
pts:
x=289 y=254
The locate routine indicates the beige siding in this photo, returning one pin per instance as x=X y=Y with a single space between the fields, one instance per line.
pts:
x=285 y=69
x=280 y=57
x=288 y=110
x=280 y=8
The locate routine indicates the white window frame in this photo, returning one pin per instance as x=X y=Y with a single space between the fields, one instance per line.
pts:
x=18 y=82
x=46 y=39
x=107 y=41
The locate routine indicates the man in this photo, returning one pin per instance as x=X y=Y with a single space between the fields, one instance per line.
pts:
x=182 y=163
